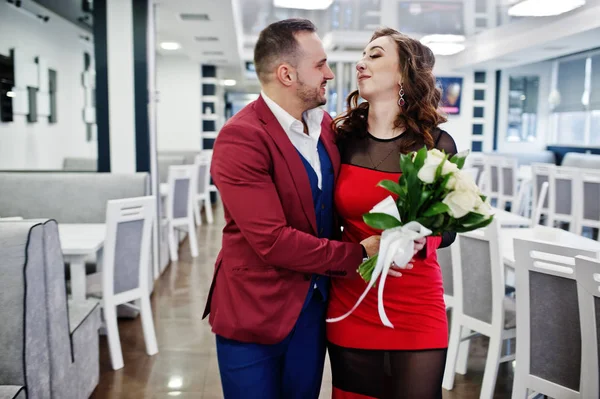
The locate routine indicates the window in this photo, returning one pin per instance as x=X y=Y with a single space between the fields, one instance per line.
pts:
x=575 y=119
x=523 y=92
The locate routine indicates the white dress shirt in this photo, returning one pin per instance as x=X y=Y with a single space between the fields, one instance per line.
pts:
x=306 y=144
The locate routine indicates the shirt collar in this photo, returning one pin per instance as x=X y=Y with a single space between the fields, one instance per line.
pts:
x=312 y=117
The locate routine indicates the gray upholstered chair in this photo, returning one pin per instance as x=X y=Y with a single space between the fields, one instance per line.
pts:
x=549 y=333
x=72 y=329
x=578 y=160
x=24 y=353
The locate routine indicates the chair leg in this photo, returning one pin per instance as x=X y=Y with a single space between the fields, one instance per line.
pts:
x=197 y=215
x=193 y=239
x=453 y=344
x=173 y=243
x=491 y=368
x=112 y=332
x=463 y=353
x=208 y=209
x=148 y=325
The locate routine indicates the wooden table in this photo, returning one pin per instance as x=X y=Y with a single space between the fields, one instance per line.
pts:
x=78 y=241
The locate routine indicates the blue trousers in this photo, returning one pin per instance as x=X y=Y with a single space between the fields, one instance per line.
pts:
x=291 y=369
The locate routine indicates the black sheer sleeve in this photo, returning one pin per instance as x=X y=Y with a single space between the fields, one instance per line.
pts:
x=445 y=142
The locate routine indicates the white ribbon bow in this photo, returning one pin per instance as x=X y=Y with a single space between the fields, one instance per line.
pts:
x=396 y=245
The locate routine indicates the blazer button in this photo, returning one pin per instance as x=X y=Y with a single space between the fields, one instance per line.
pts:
x=323 y=206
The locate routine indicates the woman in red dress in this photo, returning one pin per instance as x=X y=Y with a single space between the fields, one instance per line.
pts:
x=369 y=360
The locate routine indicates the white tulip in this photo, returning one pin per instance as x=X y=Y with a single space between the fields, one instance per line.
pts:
x=432 y=162
x=387 y=206
x=485 y=209
x=461 y=181
x=462 y=202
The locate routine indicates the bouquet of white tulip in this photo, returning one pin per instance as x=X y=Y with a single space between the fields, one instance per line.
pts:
x=435 y=193
x=433 y=196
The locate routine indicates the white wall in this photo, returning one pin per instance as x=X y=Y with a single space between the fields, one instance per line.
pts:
x=179 y=103
x=544 y=71
x=42 y=145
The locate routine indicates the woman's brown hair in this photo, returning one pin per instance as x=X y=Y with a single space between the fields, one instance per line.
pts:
x=420 y=115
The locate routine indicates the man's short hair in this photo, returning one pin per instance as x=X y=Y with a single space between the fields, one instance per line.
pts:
x=277 y=42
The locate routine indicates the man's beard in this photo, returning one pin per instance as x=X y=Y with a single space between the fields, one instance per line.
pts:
x=310 y=96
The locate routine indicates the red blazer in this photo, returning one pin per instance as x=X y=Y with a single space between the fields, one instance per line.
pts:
x=270 y=248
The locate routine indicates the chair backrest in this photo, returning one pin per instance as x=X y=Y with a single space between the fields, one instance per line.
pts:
x=478 y=276
x=578 y=160
x=476 y=161
x=492 y=178
x=24 y=344
x=202 y=162
x=182 y=188
x=509 y=168
x=564 y=196
x=127 y=245
x=589 y=213
x=540 y=174
x=548 y=325
x=587 y=271
x=444 y=257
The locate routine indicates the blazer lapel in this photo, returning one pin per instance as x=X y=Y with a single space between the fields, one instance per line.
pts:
x=328 y=139
x=291 y=157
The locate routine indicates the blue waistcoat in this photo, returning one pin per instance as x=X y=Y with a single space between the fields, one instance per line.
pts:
x=323 y=203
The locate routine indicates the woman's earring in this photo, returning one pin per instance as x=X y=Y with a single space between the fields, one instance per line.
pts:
x=401 y=101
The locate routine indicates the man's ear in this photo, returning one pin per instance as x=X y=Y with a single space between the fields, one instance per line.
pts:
x=286 y=74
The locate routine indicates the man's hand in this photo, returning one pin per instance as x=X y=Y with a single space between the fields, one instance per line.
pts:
x=371 y=245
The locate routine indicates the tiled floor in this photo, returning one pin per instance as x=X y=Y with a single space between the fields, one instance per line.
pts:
x=186 y=365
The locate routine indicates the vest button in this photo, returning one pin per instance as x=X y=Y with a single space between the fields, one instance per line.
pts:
x=323 y=206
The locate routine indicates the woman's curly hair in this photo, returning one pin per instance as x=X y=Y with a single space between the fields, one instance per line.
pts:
x=420 y=115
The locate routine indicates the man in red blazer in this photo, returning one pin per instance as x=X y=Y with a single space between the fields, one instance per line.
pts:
x=274 y=164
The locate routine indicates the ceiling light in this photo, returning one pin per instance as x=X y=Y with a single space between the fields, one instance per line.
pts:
x=175 y=382
x=303 y=4
x=446 y=48
x=444 y=44
x=170 y=46
x=229 y=82
x=10 y=94
x=543 y=8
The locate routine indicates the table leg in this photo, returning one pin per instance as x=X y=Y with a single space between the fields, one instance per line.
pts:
x=78 y=283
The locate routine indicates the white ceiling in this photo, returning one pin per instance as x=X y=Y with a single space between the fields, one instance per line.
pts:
x=236 y=23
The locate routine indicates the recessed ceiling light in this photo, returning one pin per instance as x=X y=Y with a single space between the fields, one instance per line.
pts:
x=229 y=82
x=543 y=8
x=444 y=44
x=170 y=46
x=303 y=4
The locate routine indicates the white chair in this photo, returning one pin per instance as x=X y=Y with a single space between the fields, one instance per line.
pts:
x=126 y=267
x=589 y=212
x=179 y=203
x=444 y=257
x=548 y=358
x=476 y=160
x=587 y=271
x=202 y=198
x=479 y=302
x=564 y=196
x=491 y=178
x=510 y=191
x=540 y=174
